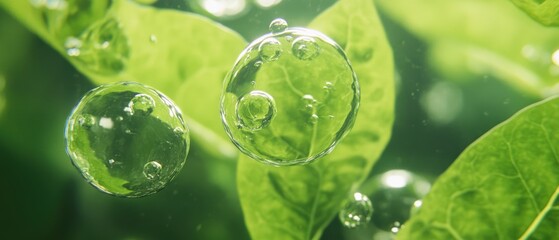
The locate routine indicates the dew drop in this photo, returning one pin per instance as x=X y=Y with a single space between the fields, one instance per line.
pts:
x=152 y=170
x=305 y=48
x=255 y=110
x=270 y=50
x=141 y=104
x=357 y=211
x=278 y=25
x=126 y=141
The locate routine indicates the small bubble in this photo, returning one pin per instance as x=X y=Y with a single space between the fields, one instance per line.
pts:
x=119 y=118
x=86 y=121
x=178 y=130
x=396 y=226
x=111 y=161
x=278 y=25
x=415 y=207
x=257 y=64
x=73 y=46
x=142 y=104
x=328 y=86
x=314 y=119
x=270 y=49
x=357 y=211
x=255 y=110
x=305 y=48
x=152 y=170
x=153 y=38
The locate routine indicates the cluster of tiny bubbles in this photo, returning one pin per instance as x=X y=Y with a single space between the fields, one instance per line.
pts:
x=396 y=195
x=127 y=139
x=291 y=96
x=102 y=48
x=357 y=211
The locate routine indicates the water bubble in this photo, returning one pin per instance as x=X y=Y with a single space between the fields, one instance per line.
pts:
x=394 y=193
x=396 y=226
x=104 y=48
x=416 y=206
x=267 y=3
x=314 y=119
x=221 y=9
x=305 y=48
x=255 y=110
x=153 y=38
x=129 y=142
x=152 y=170
x=141 y=104
x=72 y=46
x=271 y=64
x=278 y=25
x=357 y=211
x=270 y=49
x=86 y=120
x=443 y=102
x=309 y=102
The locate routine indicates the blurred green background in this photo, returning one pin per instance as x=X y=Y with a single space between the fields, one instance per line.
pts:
x=44 y=197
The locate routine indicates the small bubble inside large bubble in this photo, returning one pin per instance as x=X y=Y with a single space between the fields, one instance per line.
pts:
x=152 y=170
x=255 y=110
x=141 y=104
x=305 y=48
x=270 y=50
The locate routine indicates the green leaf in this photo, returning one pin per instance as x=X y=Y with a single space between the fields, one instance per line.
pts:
x=161 y=48
x=298 y=202
x=483 y=37
x=544 y=11
x=503 y=186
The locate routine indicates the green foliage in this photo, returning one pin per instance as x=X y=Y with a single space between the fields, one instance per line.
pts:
x=298 y=202
x=544 y=11
x=186 y=68
x=483 y=37
x=503 y=186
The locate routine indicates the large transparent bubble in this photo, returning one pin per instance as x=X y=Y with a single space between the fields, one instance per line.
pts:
x=290 y=97
x=127 y=139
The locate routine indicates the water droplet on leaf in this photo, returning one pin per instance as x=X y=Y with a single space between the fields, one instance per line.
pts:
x=128 y=140
x=255 y=110
x=357 y=211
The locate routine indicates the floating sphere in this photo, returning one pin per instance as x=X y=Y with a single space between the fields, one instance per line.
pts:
x=357 y=211
x=127 y=139
x=396 y=195
x=290 y=97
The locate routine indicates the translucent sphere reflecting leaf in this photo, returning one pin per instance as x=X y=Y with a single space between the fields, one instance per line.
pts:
x=127 y=139
x=357 y=211
x=394 y=195
x=302 y=109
